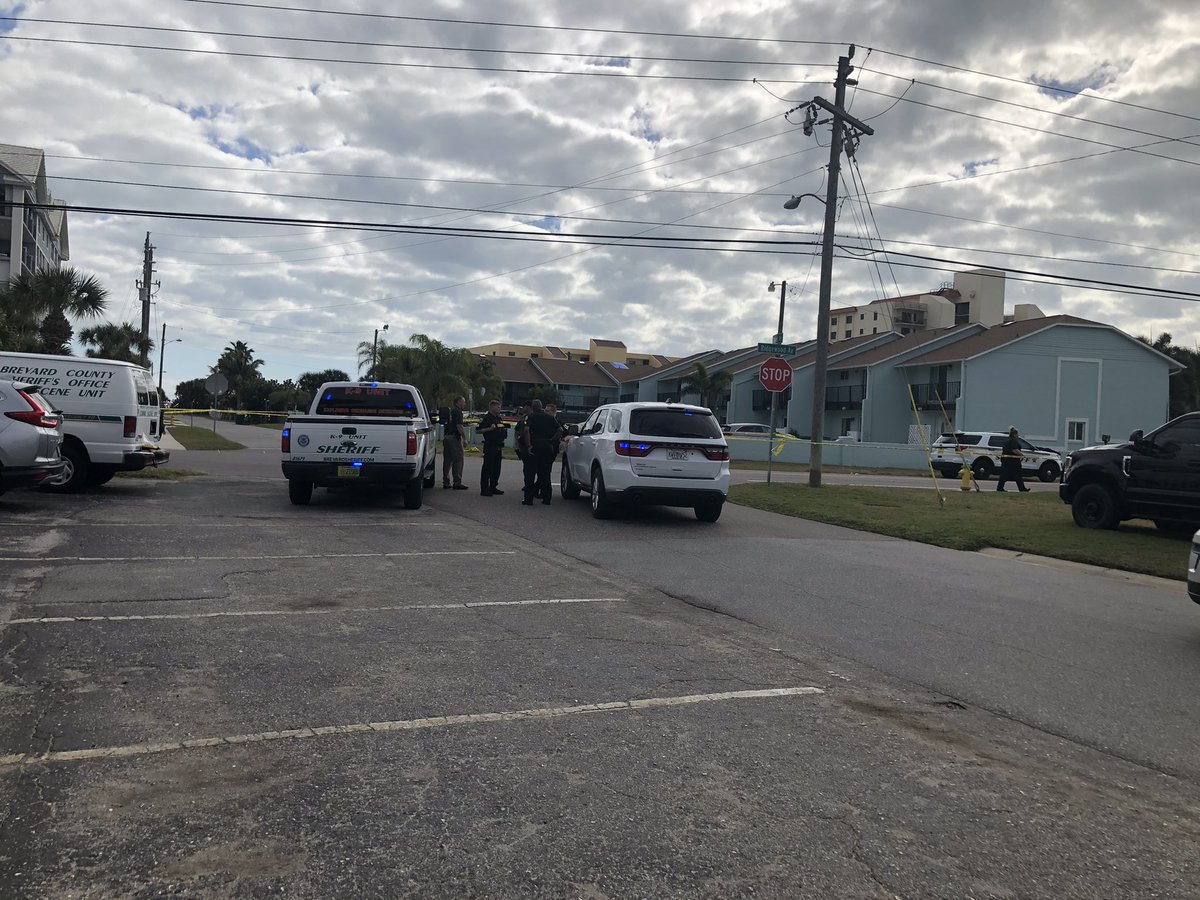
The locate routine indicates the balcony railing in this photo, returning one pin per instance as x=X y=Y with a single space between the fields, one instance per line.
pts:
x=845 y=396
x=927 y=395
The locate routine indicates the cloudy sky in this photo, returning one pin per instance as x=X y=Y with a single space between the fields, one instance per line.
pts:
x=547 y=172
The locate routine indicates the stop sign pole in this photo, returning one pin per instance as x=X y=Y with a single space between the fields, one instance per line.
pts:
x=776 y=376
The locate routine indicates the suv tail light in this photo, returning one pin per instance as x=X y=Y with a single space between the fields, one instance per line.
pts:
x=285 y=441
x=37 y=415
x=633 y=448
x=130 y=426
x=716 y=453
x=411 y=447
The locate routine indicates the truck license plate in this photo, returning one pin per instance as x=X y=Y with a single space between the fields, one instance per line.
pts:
x=677 y=454
x=348 y=471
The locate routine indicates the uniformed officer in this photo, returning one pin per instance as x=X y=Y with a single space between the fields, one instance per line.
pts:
x=541 y=442
x=494 y=430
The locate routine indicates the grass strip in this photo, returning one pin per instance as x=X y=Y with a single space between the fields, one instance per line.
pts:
x=194 y=437
x=1040 y=523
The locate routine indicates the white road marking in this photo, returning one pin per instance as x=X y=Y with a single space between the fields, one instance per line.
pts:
x=264 y=556
x=489 y=718
x=323 y=611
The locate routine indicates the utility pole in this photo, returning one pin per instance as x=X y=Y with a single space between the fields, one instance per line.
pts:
x=775 y=394
x=839 y=118
x=144 y=286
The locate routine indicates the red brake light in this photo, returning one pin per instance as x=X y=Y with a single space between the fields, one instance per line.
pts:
x=130 y=426
x=411 y=448
x=633 y=448
x=285 y=441
x=716 y=453
x=36 y=415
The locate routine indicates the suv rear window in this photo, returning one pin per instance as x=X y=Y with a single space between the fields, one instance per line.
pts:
x=366 y=401
x=673 y=423
x=962 y=438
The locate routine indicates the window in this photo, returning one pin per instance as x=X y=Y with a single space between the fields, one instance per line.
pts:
x=673 y=423
x=533 y=356
x=1173 y=437
x=366 y=401
x=844 y=375
x=833 y=335
x=874 y=331
x=962 y=312
x=614 y=420
x=861 y=316
x=847 y=334
x=1077 y=431
x=860 y=331
x=512 y=352
x=598 y=423
x=875 y=317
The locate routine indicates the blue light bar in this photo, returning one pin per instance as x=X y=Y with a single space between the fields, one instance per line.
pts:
x=357 y=463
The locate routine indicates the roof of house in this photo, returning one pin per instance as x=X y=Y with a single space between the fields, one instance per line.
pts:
x=556 y=352
x=600 y=343
x=995 y=337
x=680 y=368
x=623 y=373
x=904 y=344
x=565 y=371
x=516 y=369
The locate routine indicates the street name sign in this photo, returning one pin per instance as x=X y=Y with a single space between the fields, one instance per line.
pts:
x=777 y=349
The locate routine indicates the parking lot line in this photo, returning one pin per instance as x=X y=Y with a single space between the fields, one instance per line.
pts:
x=324 y=611
x=94 y=559
x=487 y=718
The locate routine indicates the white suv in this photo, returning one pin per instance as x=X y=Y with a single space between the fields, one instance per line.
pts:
x=29 y=437
x=981 y=451
x=657 y=454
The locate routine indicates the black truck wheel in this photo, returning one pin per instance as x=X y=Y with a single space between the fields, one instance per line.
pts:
x=413 y=493
x=1094 y=506
x=299 y=492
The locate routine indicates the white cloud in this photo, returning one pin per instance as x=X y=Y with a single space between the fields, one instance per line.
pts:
x=363 y=143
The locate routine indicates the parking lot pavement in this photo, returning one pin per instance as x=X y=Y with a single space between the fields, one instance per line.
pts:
x=207 y=692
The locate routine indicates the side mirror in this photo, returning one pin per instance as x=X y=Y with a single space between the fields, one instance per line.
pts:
x=1136 y=437
x=571 y=430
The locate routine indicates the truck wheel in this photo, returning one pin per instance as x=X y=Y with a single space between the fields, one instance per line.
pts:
x=100 y=475
x=299 y=492
x=1094 y=506
x=413 y=492
x=710 y=511
x=983 y=468
x=75 y=475
x=1048 y=471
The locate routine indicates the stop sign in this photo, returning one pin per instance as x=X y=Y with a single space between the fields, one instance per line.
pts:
x=776 y=374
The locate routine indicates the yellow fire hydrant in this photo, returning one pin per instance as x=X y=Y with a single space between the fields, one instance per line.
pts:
x=965 y=474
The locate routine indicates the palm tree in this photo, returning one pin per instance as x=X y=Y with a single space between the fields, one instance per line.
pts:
x=238 y=365
x=35 y=303
x=711 y=386
x=113 y=341
x=439 y=371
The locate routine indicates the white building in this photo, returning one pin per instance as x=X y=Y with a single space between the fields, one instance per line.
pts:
x=975 y=297
x=30 y=238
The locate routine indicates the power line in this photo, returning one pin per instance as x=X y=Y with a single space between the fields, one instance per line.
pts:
x=601 y=72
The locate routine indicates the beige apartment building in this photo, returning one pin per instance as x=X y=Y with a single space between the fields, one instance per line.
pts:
x=598 y=351
x=975 y=296
x=30 y=238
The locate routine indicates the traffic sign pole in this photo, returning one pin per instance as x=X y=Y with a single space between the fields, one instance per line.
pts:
x=776 y=376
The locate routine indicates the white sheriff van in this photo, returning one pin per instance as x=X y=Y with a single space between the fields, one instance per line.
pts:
x=110 y=413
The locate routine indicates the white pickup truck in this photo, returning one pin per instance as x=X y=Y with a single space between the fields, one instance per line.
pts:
x=374 y=434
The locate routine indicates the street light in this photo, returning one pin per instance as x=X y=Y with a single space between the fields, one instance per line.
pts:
x=374 y=345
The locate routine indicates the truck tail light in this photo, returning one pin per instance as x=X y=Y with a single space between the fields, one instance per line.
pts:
x=130 y=426
x=37 y=415
x=285 y=441
x=411 y=449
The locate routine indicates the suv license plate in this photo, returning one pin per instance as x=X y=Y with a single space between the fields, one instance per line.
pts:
x=348 y=471
x=677 y=454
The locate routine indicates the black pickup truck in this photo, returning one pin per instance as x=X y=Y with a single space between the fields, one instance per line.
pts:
x=1152 y=476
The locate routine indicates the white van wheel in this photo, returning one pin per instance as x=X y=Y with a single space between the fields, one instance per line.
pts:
x=75 y=473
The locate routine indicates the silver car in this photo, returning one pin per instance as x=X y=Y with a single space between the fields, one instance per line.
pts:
x=30 y=437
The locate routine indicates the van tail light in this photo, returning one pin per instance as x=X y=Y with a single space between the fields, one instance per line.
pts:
x=285 y=441
x=634 y=448
x=36 y=415
x=411 y=448
x=716 y=453
x=130 y=426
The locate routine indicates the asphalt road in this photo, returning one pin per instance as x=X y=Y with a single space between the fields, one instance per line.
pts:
x=205 y=691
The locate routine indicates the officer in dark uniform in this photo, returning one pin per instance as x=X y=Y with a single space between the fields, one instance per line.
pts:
x=1010 y=461
x=541 y=440
x=494 y=430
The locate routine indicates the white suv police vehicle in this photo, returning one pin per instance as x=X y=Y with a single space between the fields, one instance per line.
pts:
x=981 y=451
x=657 y=454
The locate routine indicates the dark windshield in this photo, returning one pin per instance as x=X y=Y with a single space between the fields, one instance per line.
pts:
x=366 y=401
x=674 y=423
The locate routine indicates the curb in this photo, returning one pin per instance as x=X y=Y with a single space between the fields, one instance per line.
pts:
x=1069 y=566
